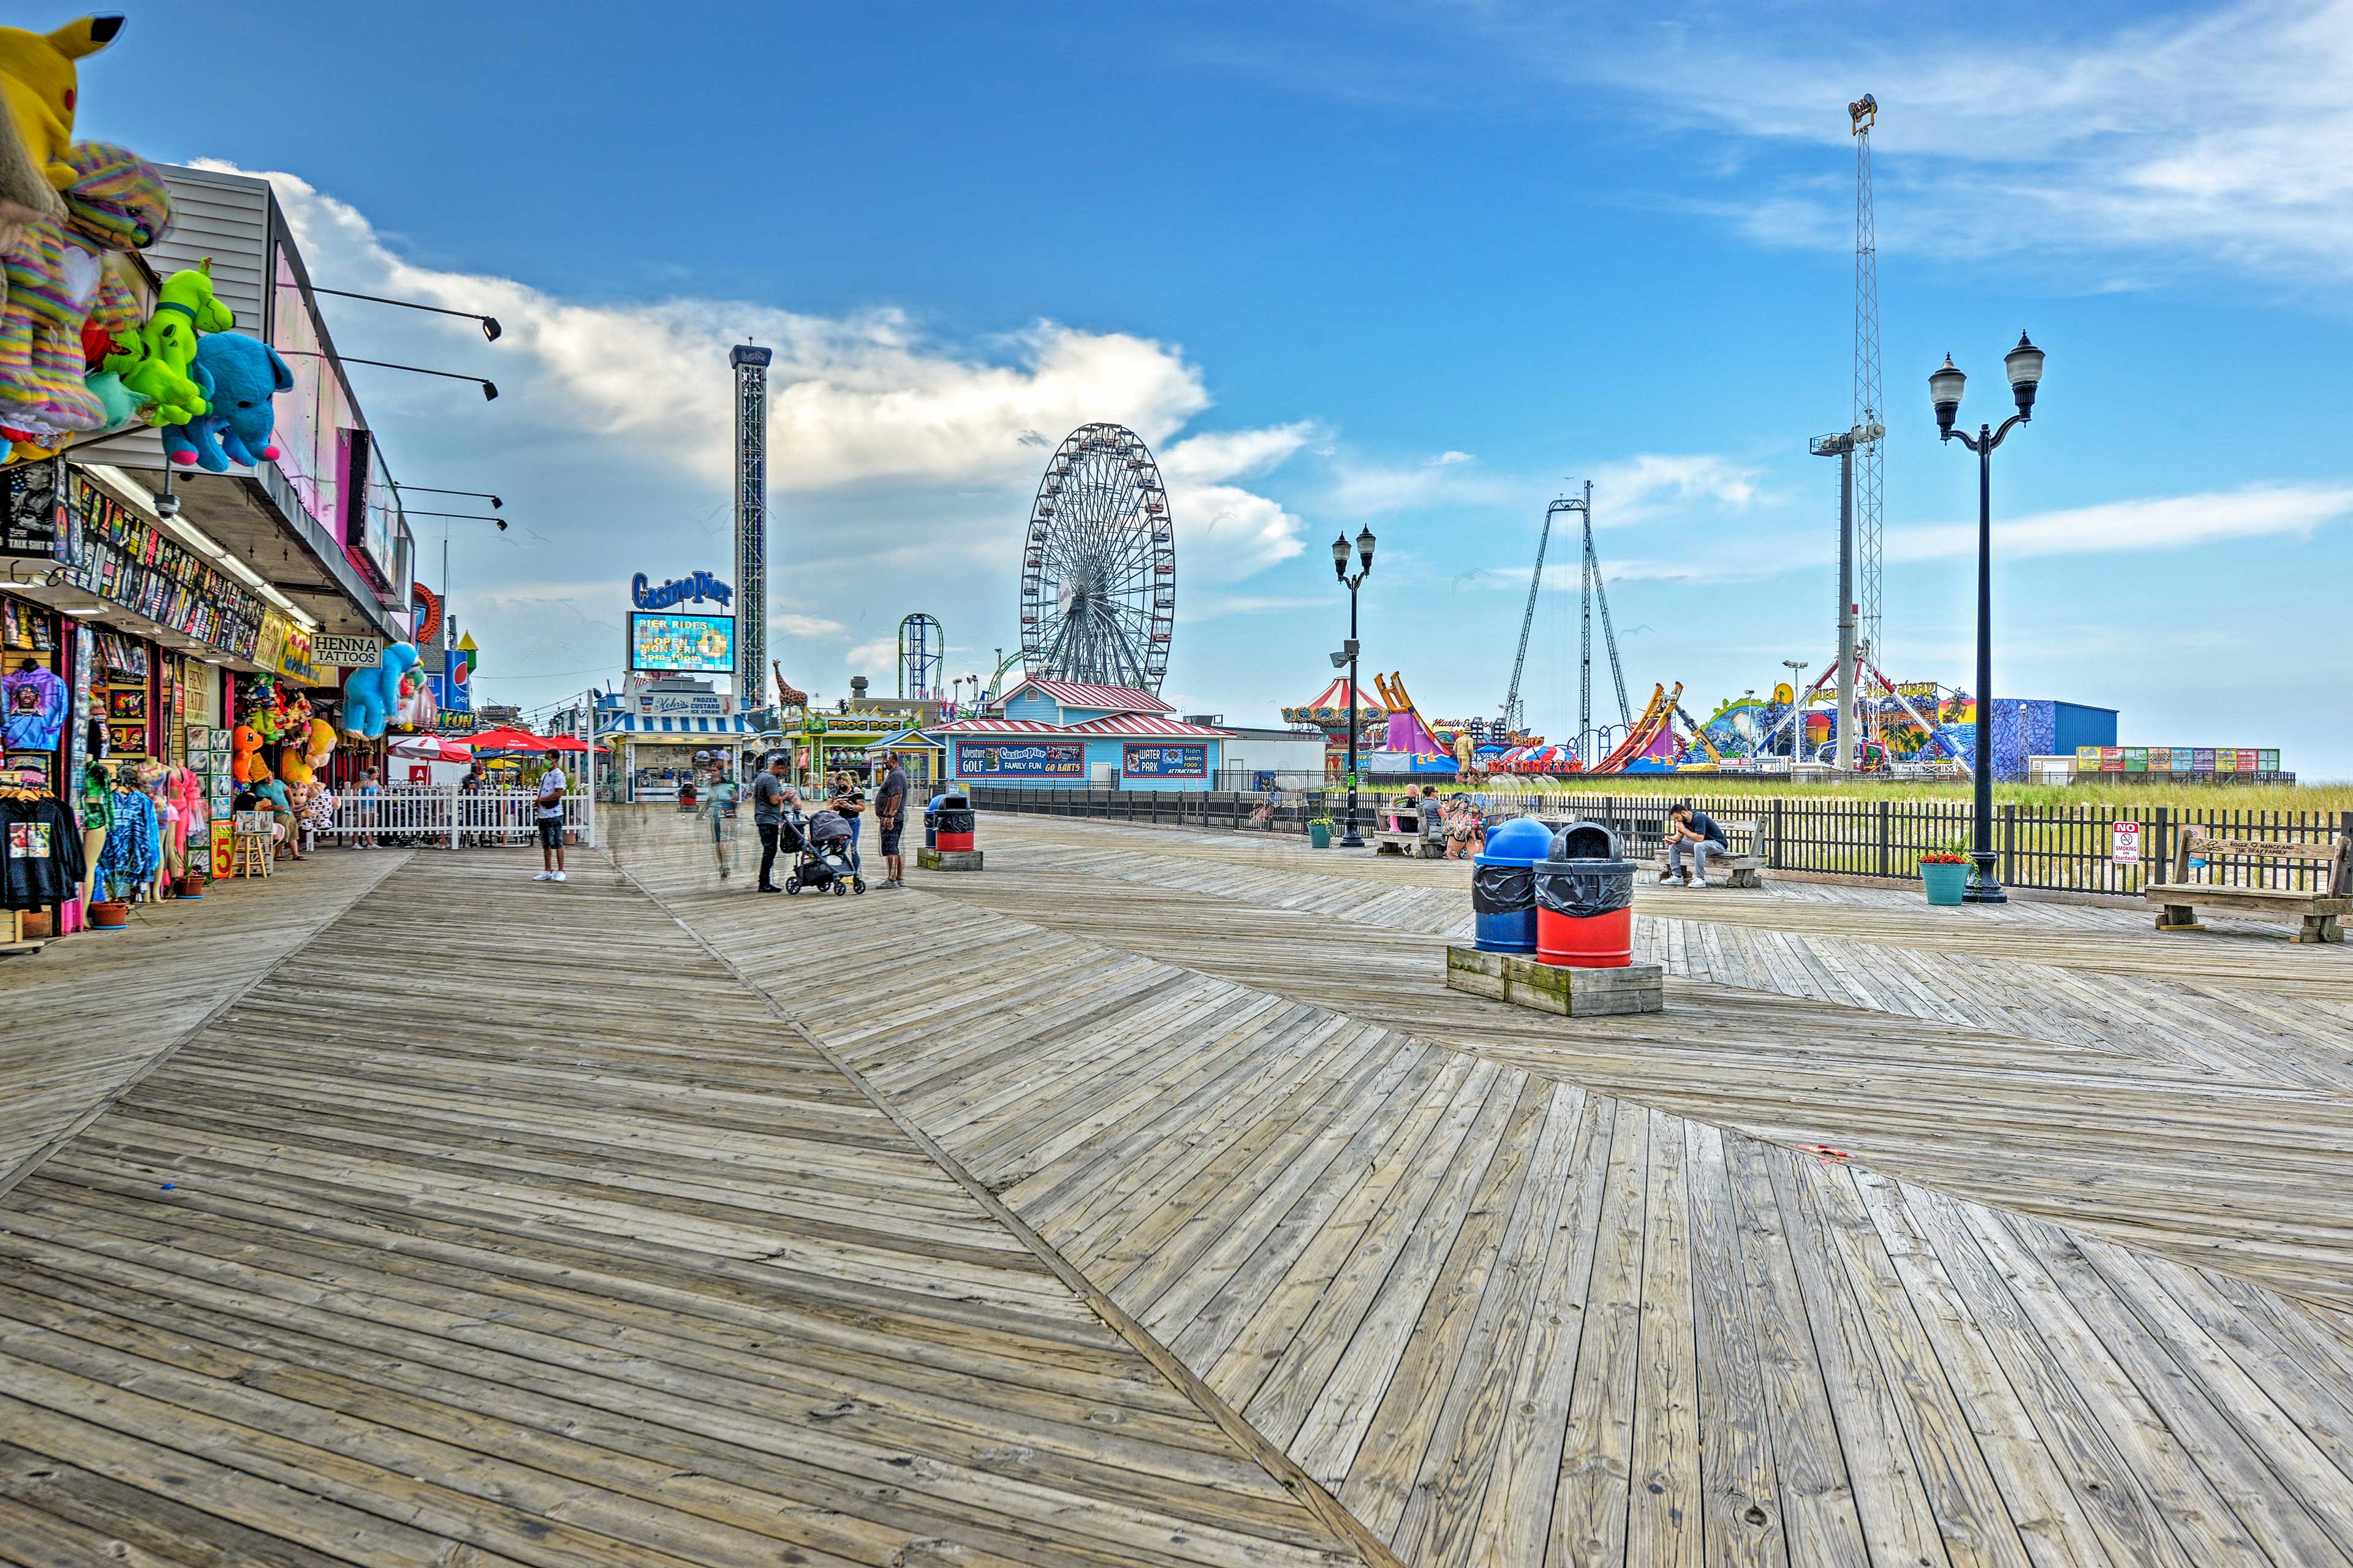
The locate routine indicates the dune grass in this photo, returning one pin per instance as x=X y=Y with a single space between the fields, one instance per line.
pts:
x=2134 y=790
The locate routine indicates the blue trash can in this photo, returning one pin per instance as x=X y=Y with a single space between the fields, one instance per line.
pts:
x=1504 y=886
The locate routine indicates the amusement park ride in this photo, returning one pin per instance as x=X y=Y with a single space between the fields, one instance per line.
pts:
x=1098 y=605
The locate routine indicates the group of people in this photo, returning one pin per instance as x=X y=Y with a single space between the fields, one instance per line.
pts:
x=297 y=813
x=773 y=798
x=1458 y=820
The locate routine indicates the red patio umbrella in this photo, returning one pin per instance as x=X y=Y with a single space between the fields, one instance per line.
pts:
x=509 y=740
x=567 y=744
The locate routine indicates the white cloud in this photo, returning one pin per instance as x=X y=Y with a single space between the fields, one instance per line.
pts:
x=900 y=465
x=816 y=628
x=1363 y=487
x=1236 y=454
x=2217 y=135
x=1641 y=487
x=2128 y=527
x=876 y=656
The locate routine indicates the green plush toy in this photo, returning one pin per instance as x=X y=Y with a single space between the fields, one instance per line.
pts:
x=157 y=371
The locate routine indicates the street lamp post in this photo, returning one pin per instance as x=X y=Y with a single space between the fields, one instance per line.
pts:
x=1349 y=839
x=2024 y=366
x=1796 y=667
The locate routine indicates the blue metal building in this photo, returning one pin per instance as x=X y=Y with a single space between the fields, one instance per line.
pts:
x=1069 y=734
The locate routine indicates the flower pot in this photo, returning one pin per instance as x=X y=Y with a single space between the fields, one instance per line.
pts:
x=1319 y=836
x=1945 y=883
x=191 y=886
x=108 y=914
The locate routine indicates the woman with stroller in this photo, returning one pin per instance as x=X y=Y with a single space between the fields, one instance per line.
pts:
x=850 y=801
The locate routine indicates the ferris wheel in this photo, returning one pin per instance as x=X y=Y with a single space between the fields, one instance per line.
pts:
x=1099 y=566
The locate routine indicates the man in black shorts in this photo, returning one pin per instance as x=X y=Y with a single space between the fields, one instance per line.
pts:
x=768 y=794
x=549 y=815
x=890 y=815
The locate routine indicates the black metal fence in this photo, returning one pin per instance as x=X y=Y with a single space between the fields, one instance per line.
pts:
x=2062 y=848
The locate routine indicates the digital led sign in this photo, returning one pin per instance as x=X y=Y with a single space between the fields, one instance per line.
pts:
x=698 y=643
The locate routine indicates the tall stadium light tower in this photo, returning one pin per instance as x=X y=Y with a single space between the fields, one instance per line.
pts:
x=751 y=521
x=1868 y=485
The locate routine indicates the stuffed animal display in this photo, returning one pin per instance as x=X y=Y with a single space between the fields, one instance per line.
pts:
x=308 y=747
x=57 y=282
x=156 y=368
x=246 y=765
x=73 y=356
x=41 y=84
x=371 y=697
x=239 y=376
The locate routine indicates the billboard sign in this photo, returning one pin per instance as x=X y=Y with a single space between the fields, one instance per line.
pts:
x=1166 y=761
x=697 y=586
x=1021 y=759
x=701 y=643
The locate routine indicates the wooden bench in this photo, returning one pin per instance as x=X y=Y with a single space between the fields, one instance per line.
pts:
x=1743 y=861
x=1407 y=837
x=2322 y=908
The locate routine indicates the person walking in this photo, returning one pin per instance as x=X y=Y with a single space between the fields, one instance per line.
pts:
x=371 y=792
x=891 y=816
x=721 y=807
x=549 y=812
x=768 y=794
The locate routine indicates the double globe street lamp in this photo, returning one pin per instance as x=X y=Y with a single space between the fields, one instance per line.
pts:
x=2024 y=366
x=1348 y=654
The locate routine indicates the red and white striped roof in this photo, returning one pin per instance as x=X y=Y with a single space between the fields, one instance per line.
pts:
x=1137 y=725
x=1157 y=728
x=1336 y=696
x=998 y=727
x=1078 y=694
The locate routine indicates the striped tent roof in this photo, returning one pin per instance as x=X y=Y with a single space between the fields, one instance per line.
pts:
x=646 y=724
x=1078 y=694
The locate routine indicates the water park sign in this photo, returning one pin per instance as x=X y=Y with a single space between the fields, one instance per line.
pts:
x=698 y=588
x=1049 y=759
x=1166 y=761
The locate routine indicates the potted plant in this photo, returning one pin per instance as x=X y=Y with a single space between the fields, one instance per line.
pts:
x=1945 y=872
x=189 y=884
x=1319 y=833
x=112 y=912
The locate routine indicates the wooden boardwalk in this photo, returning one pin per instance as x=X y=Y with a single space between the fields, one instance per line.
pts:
x=2177 y=1114
x=503 y=1225
x=1508 y=1317
x=1139 y=1201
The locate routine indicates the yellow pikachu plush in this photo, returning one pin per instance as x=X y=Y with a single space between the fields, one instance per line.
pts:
x=39 y=82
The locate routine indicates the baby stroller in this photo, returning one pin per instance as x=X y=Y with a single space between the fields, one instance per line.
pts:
x=822 y=861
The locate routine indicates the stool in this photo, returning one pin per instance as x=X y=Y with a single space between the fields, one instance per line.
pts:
x=249 y=845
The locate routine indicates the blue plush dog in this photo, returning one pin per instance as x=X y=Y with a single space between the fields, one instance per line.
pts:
x=240 y=376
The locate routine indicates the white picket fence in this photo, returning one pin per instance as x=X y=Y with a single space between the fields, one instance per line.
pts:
x=447 y=817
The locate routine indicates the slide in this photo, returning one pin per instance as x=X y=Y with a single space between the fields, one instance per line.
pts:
x=1409 y=730
x=1640 y=738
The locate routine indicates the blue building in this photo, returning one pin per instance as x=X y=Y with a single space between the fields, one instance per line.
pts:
x=1064 y=733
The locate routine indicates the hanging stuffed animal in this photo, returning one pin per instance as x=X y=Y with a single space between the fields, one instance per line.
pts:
x=157 y=368
x=41 y=82
x=239 y=374
x=246 y=765
x=54 y=273
x=309 y=744
x=372 y=695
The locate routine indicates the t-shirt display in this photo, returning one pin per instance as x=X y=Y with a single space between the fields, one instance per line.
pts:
x=41 y=863
x=36 y=702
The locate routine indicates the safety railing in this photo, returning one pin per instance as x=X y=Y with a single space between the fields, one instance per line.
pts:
x=447 y=817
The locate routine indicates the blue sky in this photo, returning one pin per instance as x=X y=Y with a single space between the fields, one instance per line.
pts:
x=1410 y=265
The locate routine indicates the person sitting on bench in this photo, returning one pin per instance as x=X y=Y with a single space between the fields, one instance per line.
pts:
x=1693 y=832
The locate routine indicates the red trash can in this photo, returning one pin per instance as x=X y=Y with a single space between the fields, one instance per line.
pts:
x=1585 y=901
x=954 y=823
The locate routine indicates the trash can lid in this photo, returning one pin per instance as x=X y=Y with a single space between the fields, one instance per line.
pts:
x=1584 y=841
x=1522 y=841
x=956 y=801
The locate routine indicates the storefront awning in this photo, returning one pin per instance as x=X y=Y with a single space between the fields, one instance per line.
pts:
x=642 y=724
x=906 y=740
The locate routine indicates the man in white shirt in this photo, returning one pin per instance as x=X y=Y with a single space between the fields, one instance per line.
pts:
x=550 y=811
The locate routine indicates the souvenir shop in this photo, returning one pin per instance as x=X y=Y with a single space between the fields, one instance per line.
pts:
x=113 y=655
